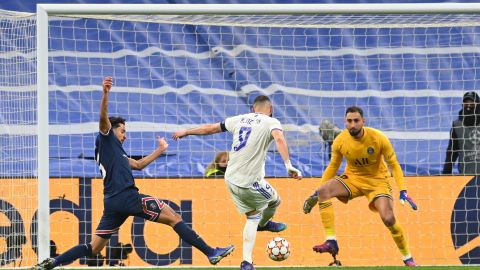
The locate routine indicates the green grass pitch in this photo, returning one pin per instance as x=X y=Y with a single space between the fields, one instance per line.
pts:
x=308 y=268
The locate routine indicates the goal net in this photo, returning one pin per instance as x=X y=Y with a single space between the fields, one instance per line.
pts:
x=18 y=140
x=407 y=71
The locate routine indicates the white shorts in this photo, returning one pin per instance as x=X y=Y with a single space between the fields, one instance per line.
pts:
x=257 y=197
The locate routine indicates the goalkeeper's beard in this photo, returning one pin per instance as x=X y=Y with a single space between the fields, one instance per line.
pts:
x=354 y=133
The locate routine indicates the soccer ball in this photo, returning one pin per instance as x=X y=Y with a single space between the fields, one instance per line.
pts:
x=278 y=249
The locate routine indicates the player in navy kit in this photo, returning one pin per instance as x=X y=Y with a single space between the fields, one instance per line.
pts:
x=121 y=196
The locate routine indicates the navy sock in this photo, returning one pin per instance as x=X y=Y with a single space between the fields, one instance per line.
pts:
x=191 y=237
x=84 y=250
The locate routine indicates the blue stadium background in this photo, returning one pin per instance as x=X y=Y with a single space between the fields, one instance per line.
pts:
x=71 y=154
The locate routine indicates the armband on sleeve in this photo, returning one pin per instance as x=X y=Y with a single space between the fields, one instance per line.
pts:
x=222 y=126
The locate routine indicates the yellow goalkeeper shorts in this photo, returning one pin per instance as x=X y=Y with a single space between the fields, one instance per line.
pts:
x=371 y=188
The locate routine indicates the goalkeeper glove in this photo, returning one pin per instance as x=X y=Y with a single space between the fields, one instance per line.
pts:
x=310 y=202
x=292 y=171
x=404 y=197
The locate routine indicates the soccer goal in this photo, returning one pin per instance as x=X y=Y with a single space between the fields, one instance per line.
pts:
x=18 y=138
x=178 y=66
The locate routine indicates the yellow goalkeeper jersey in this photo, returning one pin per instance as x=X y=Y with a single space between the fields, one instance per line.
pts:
x=365 y=156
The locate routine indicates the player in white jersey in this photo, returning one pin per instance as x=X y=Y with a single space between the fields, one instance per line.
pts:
x=252 y=194
x=248 y=160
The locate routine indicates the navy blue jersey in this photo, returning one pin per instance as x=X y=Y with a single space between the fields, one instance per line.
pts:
x=114 y=165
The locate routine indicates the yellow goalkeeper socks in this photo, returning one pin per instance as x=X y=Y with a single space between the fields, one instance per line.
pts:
x=399 y=238
x=328 y=219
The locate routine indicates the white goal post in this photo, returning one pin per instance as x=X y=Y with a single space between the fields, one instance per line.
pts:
x=46 y=11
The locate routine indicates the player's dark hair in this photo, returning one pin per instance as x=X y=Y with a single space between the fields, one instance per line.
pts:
x=261 y=99
x=354 y=109
x=115 y=121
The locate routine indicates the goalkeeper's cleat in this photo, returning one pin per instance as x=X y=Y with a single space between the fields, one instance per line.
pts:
x=246 y=266
x=410 y=262
x=220 y=253
x=309 y=203
x=47 y=264
x=329 y=246
x=273 y=227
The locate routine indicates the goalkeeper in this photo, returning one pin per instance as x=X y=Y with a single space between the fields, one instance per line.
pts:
x=366 y=150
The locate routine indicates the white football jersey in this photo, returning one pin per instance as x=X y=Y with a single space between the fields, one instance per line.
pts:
x=252 y=135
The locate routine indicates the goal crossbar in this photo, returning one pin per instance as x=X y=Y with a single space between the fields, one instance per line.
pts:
x=231 y=9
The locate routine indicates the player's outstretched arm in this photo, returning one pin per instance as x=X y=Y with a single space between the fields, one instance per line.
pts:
x=397 y=172
x=405 y=198
x=282 y=148
x=104 y=124
x=207 y=129
x=142 y=163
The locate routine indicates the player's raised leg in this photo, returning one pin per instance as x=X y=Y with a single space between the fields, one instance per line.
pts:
x=269 y=193
x=329 y=189
x=266 y=224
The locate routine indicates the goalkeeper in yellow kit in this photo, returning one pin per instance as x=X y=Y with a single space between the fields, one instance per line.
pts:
x=366 y=174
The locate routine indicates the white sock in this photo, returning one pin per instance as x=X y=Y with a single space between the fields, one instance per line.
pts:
x=249 y=235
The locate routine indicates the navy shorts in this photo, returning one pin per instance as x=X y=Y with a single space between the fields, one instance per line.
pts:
x=121 y=206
